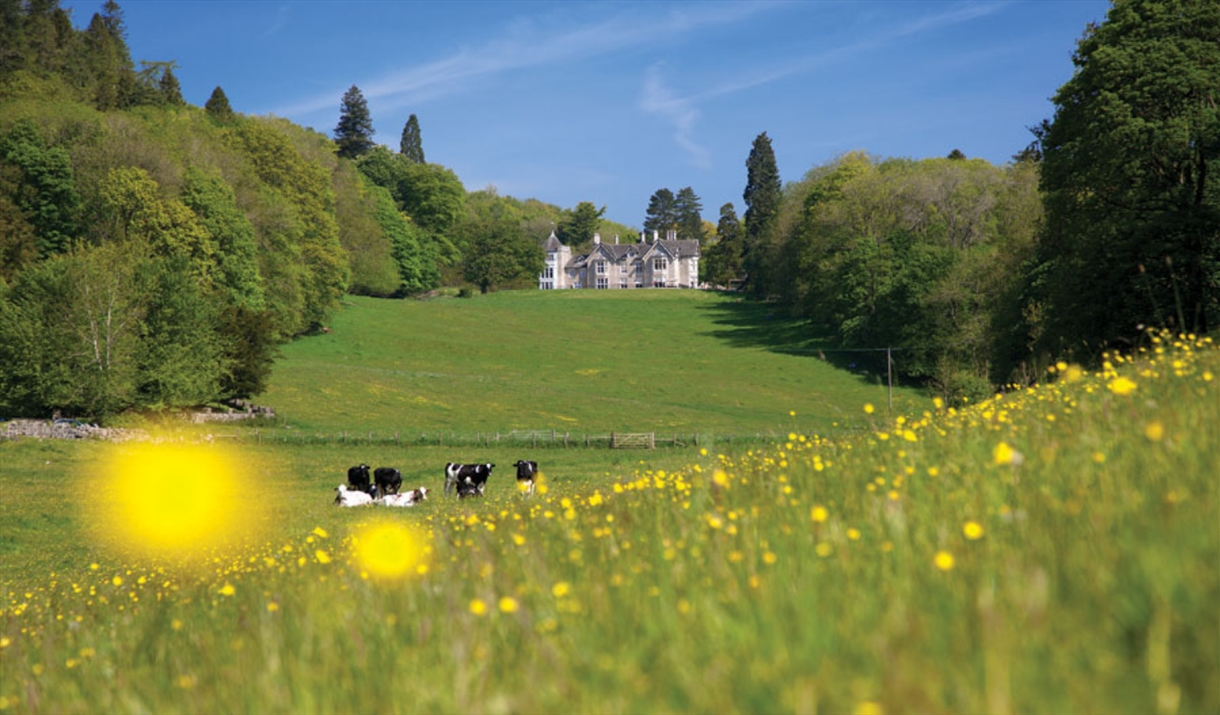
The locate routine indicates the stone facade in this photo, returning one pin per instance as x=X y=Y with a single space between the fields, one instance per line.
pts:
x=659 y=263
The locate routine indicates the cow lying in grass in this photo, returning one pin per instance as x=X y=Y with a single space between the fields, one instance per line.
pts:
x=410 y=498
x=351 y=497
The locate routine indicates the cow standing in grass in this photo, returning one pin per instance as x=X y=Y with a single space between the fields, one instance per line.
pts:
x=468 y=480
x=527 y=472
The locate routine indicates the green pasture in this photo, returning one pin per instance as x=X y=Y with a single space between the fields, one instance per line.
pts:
x=1052 y=550
x=571 y=361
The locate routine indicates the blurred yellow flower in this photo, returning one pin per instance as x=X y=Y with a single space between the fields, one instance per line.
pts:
x=1003 y=454
x=819 y=514
x=322 y=556
x=823 y=549
x=868 y=408
x=508 y=604
x=561 y=589
x=477 y=607
x=973 y=530
x=868 y=707
x=1121 y=386
x=944 y=560
x=1154 y=431
x=227 y=589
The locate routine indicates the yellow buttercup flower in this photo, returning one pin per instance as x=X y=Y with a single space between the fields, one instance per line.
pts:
x=973 y=530
x=944 y=560
x=477 y=607
x=1121 y=386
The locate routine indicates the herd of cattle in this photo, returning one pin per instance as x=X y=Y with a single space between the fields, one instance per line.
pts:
x=384 y=485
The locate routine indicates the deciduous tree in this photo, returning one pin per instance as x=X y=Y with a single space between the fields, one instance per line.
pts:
x=1131 y=176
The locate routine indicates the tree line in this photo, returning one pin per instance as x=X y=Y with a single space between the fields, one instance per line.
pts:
x=1108 y=223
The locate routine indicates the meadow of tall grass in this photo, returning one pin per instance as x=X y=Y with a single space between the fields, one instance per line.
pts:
x=1054 y=549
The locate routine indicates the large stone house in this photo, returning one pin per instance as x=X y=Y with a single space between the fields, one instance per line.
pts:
x=659 y=263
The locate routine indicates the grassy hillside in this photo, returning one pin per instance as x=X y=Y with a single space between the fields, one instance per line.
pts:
x=665 y=361
x=1051 y=550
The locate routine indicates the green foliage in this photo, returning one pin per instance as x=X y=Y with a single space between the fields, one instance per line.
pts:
x=138 y=216
x=917 y=255
x=414 y=254
x=690 y=215
x=722 y=261
x=1129 y=171
x=411 y=144
x=170 y=89
x=369 y=248
x=248 y=350
x=40 y=187
x=578 y=225
x=180 y=358
x=498 y=252
x=69 y=334
x=662 y=212
x=762 y=198
x=215 y=205
x=307 y=216
x=354 y=133
x=218 y=107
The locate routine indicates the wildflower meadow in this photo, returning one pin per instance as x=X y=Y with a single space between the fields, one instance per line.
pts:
x=1052 y=549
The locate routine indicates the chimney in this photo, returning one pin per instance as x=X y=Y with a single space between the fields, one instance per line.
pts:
x=616 y=239
x=597 y=239
x=641 y=236
x=671 y=235
x=655 y=234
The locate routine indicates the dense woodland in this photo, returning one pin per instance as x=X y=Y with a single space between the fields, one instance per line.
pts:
x=153 y=254
x=1107 y=224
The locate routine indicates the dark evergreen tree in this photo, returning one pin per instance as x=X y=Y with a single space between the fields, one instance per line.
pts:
x=12 y=22
x=662 y=213
x=170 y=89
x=411 y=146
x=218 y=107
x=579 y=225
x=690 y=214
x=762 y=196
x=723 y=258
x=956 y=155
x=354 y=133
x=1130 y=174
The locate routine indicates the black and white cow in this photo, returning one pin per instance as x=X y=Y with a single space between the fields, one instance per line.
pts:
x=527 y=471
x=388 y=480
x=358 y=479
x=467 y=479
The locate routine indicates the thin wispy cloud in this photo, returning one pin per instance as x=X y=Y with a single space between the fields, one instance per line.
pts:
x=528 y=44
x=682 y=112
x=679 y=111
x=281 y=19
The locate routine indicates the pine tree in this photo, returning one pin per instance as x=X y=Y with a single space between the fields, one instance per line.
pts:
x=218 y=107
x=354 y=134
x=411 y=145
x=762 y=196
x=690 y=214
x=170 y=89
x=662 y=214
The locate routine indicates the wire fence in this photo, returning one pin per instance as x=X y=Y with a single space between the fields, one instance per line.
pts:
x=534 y=439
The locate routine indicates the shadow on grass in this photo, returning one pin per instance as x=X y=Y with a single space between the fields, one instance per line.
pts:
x=751 y=323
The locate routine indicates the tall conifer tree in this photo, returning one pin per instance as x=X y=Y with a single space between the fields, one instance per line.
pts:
x=662 y=214
x=411 y=145
x=762 y=195
x=170 y=89
x=690 y=214
x=354 y=134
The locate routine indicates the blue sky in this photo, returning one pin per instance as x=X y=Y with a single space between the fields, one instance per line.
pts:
x=608 y=102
